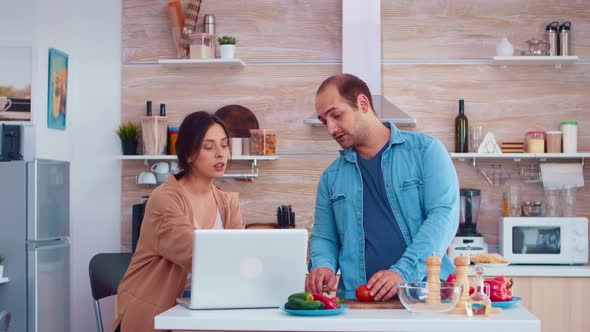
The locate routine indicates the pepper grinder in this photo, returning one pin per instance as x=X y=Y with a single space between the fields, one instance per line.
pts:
x=433 y=280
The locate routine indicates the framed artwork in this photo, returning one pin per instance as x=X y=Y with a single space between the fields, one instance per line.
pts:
x=57 y=89
x=16 y=63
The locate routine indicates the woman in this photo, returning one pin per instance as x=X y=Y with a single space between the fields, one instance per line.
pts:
x=186 y=201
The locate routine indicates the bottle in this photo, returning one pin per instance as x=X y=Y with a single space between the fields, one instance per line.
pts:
x=162 y=109
x=552 y=37
x=506 y=205
x=461 y=129
x=479 y=303
x=564 y=38
x=209 y=24
x=148 y=106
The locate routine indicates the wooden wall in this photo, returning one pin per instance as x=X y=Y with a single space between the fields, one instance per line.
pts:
x=291 y=46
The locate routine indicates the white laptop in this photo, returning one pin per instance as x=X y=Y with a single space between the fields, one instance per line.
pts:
x=239 y=268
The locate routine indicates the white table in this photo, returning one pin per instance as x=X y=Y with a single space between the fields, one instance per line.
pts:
x=517 y=319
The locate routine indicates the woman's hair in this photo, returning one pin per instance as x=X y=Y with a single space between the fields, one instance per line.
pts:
x=191 y=135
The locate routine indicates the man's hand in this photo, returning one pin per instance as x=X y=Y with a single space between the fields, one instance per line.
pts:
x=383 y=284
x=320 y=280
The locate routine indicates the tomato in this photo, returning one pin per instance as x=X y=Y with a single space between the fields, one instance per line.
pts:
x=363 y=294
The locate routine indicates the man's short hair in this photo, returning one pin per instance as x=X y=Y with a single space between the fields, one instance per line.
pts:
x=349 y=87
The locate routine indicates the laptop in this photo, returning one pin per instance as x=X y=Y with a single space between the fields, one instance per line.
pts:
x=239 y=268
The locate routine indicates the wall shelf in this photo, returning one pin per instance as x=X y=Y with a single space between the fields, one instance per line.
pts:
x=173 y=157
x=519 y=156
x=4 y=280
x=252 y=175
x=557 y=61
x=210 y=63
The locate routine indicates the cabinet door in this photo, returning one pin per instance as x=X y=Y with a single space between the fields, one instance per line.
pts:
x=49 y=287
x=558 y=302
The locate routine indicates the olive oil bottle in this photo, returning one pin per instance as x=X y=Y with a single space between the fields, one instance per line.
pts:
x=461 y=129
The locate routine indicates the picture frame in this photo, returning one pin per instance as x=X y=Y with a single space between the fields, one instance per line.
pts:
x=57 y=89
x=16 y=68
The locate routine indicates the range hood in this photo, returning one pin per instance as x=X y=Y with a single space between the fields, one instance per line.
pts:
x=385 y=110
x=361 y=56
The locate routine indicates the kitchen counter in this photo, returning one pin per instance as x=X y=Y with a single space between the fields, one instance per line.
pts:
x=538 y=271
x=179 y=318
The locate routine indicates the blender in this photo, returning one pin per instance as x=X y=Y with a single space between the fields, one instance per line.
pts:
x=468 y=242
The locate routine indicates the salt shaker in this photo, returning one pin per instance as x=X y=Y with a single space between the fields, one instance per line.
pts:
x=552 y=37
x=564 y=38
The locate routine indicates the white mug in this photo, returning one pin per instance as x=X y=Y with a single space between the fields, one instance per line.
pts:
x=161 y=167
x=146 y=178
x=5 y=103
x=174 y=167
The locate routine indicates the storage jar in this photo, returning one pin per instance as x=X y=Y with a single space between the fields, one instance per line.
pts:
x=569 y=131
x=263 y=142
x=535 y=141
x=553 y=139
x=202 y=46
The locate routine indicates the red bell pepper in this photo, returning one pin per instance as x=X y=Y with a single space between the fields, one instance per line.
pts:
x=453 y=278
x=500 y=288
x=329 y=302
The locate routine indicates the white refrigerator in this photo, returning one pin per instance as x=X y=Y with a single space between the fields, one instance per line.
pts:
x=34 y=231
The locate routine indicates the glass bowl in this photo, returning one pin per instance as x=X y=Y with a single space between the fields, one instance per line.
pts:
x=413 y=296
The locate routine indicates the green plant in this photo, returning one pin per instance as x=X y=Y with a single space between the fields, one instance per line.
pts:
x=128 y=131
x=227 y=40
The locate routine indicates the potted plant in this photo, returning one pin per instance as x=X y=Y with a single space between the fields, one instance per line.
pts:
x=227 y=46
x=128 y=133
x=1 y=266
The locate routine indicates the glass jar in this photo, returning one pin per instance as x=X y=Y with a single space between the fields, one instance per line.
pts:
x=569 y=130
x=263 y=142
x=553 y=139
x=202 y=46
x=535 y=141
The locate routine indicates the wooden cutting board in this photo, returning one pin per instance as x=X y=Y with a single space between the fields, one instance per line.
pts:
x=395 y=304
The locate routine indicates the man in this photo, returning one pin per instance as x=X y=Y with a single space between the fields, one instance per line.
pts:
x=388 y=202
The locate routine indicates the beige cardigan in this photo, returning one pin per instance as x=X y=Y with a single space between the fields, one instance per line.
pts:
x=157 y=273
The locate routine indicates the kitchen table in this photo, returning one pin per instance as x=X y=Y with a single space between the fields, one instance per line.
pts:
x=179 y=318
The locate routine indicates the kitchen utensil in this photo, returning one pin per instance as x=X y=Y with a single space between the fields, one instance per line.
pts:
x=507 y=304
x=285 y=217
x=154 y=130
x=146 y=178
x=536 y=47
x=564 y=38
x=5 y=103
x=468 y=241
x=322 y=312
x=552 y=37
x=238 y=120
x=470 y=200
x=393 y=304
x=161 y=167
x=413 y=296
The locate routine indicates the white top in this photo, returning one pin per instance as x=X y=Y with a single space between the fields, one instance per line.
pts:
x=517 y=318
x=218 y=225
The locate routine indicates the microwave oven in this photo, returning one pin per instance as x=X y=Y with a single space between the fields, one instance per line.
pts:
x=543 y=240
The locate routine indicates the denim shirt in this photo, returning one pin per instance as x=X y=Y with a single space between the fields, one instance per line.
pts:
x=423 y=192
